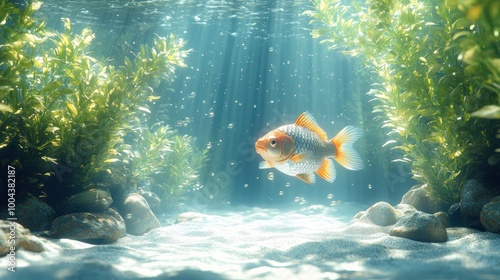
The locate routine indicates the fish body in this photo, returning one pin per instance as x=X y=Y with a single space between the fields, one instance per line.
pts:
x=302 y=149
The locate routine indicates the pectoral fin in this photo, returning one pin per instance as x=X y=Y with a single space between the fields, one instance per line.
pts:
x=265 y=165
x=307 y=177
x=298 y=157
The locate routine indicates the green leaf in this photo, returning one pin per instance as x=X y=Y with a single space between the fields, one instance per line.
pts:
x=144 y=109
x=5 y=108
x=49 y=159
x=51 y=129
x=72 y=109
x=488 y=112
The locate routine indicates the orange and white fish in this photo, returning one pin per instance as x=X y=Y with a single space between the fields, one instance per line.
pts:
x=302 y=148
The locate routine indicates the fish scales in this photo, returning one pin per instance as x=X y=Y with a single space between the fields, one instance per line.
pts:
x=306 y=142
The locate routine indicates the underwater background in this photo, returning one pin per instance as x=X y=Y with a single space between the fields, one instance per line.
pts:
x=128 y=137
x=253 y=67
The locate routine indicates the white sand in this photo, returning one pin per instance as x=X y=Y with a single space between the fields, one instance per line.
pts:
x=254 y=243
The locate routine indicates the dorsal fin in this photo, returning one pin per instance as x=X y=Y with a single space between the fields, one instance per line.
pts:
x=306 y=120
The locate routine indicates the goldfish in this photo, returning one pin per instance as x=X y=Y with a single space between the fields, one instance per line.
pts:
x=302 y=149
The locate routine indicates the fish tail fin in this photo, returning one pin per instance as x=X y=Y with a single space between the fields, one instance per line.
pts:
x=345 y=154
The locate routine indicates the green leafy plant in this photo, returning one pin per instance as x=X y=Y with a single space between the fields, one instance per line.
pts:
x=427 y=57
x=64 y=114
x=158 y=159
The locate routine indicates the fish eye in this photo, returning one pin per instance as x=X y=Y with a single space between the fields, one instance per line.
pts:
x=273 y=142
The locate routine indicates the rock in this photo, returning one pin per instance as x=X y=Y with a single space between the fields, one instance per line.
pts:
x=153 y=200
x=443 y=218
x=405 y=209
x=122 y=230
x=88 y=227
x=93 y=200
x=381 y=213
x=139 y=218
x=419 y=198
x=22 y=236
x=474 y=196
x=420 y=226
x=490 y=215
x=33 y=213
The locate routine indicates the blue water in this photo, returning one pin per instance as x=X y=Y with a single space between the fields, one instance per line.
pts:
x=253 y=67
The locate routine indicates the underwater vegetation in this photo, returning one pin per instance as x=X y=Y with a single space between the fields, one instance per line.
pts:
x=438 y=87
x=70 y=122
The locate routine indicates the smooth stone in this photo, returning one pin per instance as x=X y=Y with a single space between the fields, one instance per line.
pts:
x=418 y=197
x=33 y=213
x=474 y=196
x=88 y=227
x=405 y=209
x=93 y=200
x=139 y=218
x=122 y=230
x=490 y=215
x=381 y=213
x=443 y=218
x=153 y=200
x=23 y=238
x=420 y=226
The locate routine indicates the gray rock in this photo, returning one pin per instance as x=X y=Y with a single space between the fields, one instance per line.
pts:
x=23 y=238
x=33 y=213
x=420 y=226
x=490 y=215
x=474 y=196
x=139 y=218
x=380 y=213
x=153 y=200
x=418 y=197
x=93 y=200
x=88 y=227
x=122 y=230
x=405 y=209
x=443 y=218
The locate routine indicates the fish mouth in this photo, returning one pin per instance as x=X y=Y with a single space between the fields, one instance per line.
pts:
x=260 y=146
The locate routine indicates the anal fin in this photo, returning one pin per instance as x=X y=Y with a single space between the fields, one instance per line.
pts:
x=327 y=170
x=307 y=177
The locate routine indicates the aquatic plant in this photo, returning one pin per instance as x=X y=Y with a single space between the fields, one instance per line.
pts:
x=158 y=159
x=63 y=113
x=438 y=66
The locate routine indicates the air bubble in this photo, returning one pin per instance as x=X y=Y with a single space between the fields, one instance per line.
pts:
x=270 y=176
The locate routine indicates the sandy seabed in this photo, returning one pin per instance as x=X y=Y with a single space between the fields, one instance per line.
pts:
x=315 y=242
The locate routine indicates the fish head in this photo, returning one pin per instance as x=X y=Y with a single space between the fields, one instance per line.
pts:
x=275 y=147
